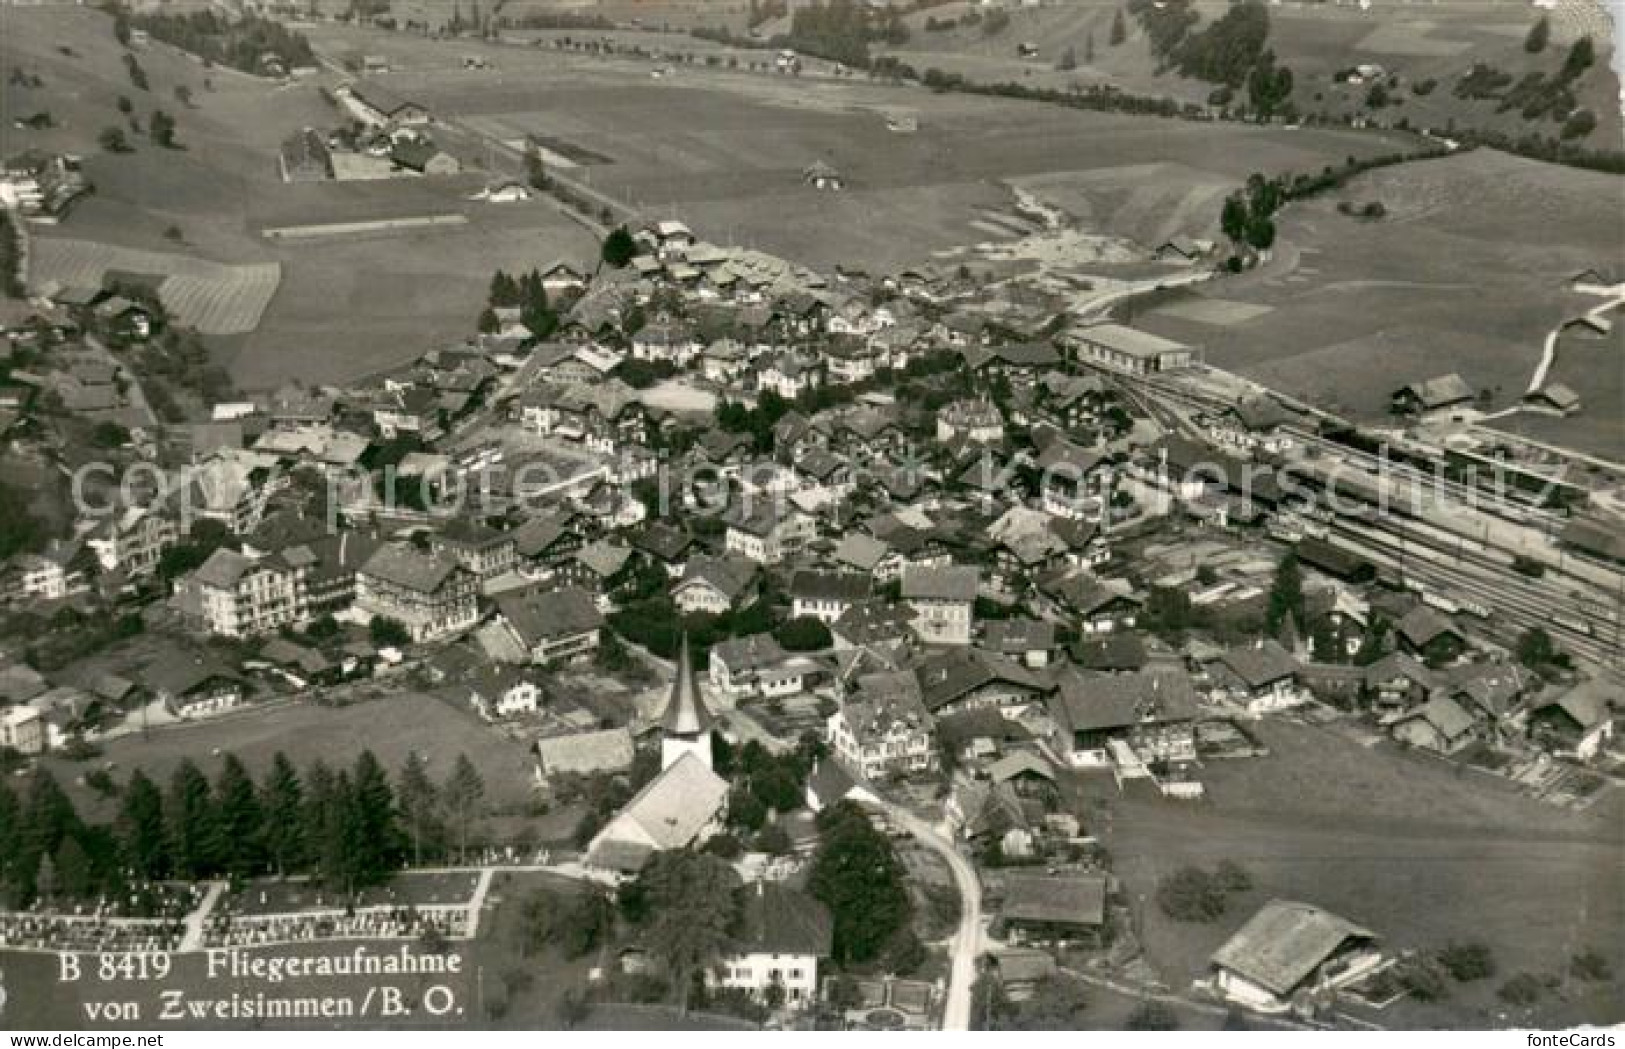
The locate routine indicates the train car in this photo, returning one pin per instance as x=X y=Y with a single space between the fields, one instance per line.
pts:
x=1574 y=623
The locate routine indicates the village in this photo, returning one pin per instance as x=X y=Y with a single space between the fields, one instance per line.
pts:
x=711 y=637
x=923 y=539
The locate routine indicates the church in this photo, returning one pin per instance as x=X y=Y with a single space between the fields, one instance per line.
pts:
x=681 y=806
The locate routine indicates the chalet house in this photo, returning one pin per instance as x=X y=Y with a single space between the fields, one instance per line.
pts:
x=1437 y=396
x=666 y=545
x=416 y=410
x=725 y=361
x=943 y=601
x=504 y=692
x=884 y=728
x=974 y=421
x=551 y=626
x=787 y=375
x=1075 y=480
x=1057 y=909
x=1102 y=606
x=1019 y=363
x=1125 y=719
x=546 y=540
x=1289 y=952
x=1397 y=683
x=1025 y=772
x=1428 y=634
x=232 y=488
x=1030 y=642
x=1024 y=545
x=1577 y=724
x=561 y=275
x=864 y=553
x=765 y=535
x=1115 y=347
x=483 y=550
x=954 y=682
x=431 y=595
x=666 y=341
x=826 y=596
x=1262 y=677
x=598 y=568
x=1441 y=725
x=1071 y=401
x=825 y=476
x=716 y=584
x=756 y=665
x=850 y=360
x=192 y=687
x=776 y=944
x=580 y=364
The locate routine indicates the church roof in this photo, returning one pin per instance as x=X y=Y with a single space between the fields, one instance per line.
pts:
x=685 y=711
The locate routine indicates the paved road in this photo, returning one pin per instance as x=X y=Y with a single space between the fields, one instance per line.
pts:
x=966 y=945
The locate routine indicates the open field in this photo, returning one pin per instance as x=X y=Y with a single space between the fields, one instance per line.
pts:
x=1592 y=368
x=725 y=150
x=213 y=298
x=1468 y=272
x=1417 y=42
x=1421 y=852
x=345 y=308
x=308 y=733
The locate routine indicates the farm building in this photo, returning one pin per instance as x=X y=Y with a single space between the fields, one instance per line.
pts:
x=822 y=175
x=1125 y=719
x=377 y=105
x=1124 y=349
x=1043 y=908
x=1596 y=536
x=1554 y=397
x=1438 y=394
x=424 y=157
x=1290 y=949
x=1577 y=724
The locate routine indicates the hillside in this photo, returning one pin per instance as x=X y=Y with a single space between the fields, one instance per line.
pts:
x=1413 y=44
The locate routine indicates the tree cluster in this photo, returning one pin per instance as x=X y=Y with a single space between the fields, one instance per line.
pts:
x=858 y=876
x=1191 y=894
x=528 y=294
x=238 y=42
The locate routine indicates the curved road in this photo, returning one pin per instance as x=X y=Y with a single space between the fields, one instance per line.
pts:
x=966 y=945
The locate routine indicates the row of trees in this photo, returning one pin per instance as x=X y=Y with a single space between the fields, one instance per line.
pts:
x=350 y=827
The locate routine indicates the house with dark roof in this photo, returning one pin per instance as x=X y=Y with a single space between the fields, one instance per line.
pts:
x=826 y=596
x=1577 y=723
x=778 y=940
x=716 y=584
x=1288 y=951
x=1058 y=909
x=430 y=594
x=968 y=679
x=1151 y=713
x=1429 y=634
x=549 y=624
x=1031 y=641
x=1441 y=725
x=1262 y=677
x=1438 y=394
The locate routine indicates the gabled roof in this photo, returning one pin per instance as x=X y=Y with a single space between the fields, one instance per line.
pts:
x=538 y=614
x=1020 y=763
x=860 y=551
x=775 y=919
x=403 y=566
x=829 y=586
x=951 y=675
x=1262 y=664
x=1424 y=624
x=1441 y=391
x=950 y=583
x=1092 y=702
x=677 y=804
x=1284 y=942
x=1074 y=899
x=1445 y=715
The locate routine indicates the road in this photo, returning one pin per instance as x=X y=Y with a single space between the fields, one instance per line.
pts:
x=966 y=945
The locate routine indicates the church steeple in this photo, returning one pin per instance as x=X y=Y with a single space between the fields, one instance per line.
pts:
x=686 y=723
